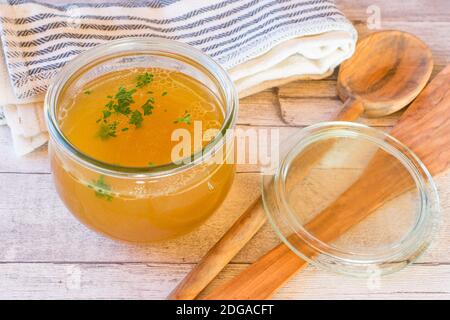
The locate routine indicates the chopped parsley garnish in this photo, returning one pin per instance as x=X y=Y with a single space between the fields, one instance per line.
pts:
x=101 y=188
x=164 y=93
x=186 y=118
x=106 y=114
x=136 y=118
x=148 y=106
x=124 y=100
x=87 y=92
x=144 y=79
x=120 y=104
x=108 y=130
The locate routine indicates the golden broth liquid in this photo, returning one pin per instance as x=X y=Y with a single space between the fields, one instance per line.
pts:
x=127 y=118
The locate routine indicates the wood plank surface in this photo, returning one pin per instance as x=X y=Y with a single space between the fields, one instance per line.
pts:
x=153 y=281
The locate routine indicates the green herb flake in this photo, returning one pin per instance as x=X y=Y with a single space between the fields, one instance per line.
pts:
x=108 y=130
x=101 y=188
x=120 y=104
x=186 y=118
x=110 y=105
x=106 y=114
x=148 y=107
x=144 y=79
x=124 y=100
x=164 y=93
x=88 y=92
x=136 y=118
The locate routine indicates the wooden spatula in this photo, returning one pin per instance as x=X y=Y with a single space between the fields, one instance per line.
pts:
x=387 y=71
x=424 y=128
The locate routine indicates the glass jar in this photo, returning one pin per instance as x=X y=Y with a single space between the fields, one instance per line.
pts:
x=351 y=199
x=141 y=204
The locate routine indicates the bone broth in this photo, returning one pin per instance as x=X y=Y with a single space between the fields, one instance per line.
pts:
x=125 y=119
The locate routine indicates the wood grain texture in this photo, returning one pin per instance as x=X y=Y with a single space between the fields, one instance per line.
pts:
x=429 y=21
x=307 y=110
x=234 y=239
x=43 y=246
x=429 y=113
x=153 y=281
x=386 y=72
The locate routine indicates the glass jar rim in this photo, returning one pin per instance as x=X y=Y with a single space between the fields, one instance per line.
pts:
x=412 y=244
x=150 y=45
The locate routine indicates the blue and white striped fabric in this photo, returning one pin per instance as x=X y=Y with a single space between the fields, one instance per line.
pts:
x=258 y=41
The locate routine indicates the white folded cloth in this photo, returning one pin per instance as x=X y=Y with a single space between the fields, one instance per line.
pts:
x=259 y=42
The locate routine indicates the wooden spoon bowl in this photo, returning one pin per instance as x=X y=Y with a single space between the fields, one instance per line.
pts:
x=387 y=71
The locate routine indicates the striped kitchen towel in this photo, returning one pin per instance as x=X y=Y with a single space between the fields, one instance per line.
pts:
x=262 y=43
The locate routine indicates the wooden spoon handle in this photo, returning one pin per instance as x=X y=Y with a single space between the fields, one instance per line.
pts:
x=352 y=110
x=261 y=279
x=221 y=253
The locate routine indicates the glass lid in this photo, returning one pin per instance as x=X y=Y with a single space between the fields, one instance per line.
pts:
x=351 y=199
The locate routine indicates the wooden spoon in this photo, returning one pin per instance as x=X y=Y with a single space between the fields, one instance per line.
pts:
x=387 y=71
x=424 y=128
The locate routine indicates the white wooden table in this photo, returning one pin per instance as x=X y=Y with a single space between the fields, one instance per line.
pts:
x=47 y=253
